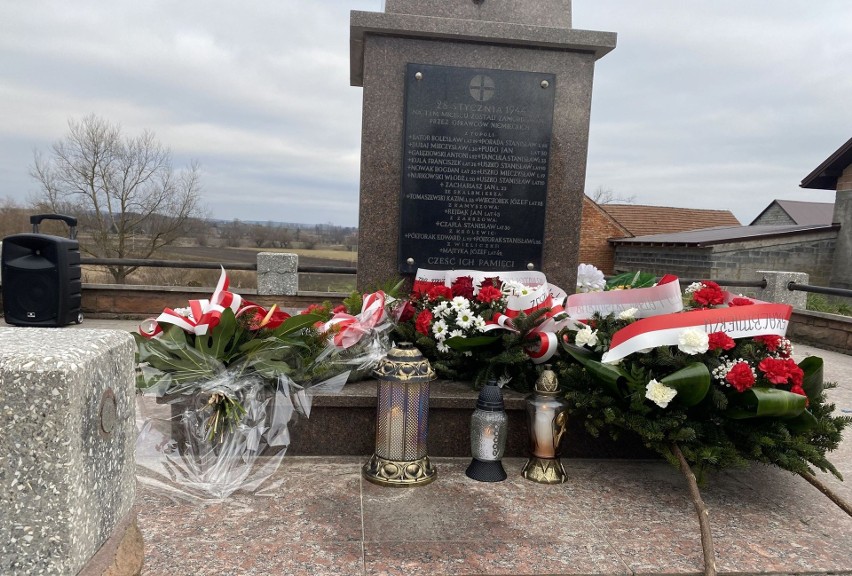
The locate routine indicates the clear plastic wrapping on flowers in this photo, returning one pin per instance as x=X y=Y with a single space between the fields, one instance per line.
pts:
x=359 y=359
x=228 y=428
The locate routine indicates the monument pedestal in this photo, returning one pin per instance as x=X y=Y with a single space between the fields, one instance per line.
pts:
x=486 y=36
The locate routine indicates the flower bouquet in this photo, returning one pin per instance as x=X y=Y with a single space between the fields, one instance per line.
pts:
x=236 y=375
x=706 y=379
x=477 y=327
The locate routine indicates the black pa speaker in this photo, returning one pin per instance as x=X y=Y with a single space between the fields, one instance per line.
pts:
x=41 y=277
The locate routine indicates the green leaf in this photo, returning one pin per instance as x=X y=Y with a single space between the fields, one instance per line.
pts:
x=609 y=376
x=173 y=352
x=812 y=366
x=461 y=343
x=802 y=423
x=296 y=323
x=632 y=280
x=691 y=382
x=221 y=342
x=761 y=402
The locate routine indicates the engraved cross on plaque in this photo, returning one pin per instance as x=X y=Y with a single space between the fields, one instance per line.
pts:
x=482 y=88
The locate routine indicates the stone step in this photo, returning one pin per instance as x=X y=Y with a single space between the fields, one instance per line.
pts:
x=344 y=424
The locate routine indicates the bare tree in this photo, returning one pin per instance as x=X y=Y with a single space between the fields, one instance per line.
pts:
x=603 y=195
x=128 y=199
x=233 y=232
x=13 y=218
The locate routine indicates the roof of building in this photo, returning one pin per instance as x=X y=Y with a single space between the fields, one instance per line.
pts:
x=638 y=219
x=803 y=212
x=722 y=235
x=825 y=175
x=606 y=215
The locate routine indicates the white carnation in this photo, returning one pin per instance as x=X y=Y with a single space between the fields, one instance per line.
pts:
x=629 y=314
x=587 y=337
x=693 y=341
x=659 y=393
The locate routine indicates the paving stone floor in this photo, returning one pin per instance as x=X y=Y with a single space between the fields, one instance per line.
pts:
x=610 y=517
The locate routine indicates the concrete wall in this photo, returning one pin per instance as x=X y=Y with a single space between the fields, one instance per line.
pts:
x=827 y=331
x=842 y=274
x=809 y=253
x=684 y=261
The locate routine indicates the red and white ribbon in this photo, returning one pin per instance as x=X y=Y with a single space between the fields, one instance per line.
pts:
x=664 y=298
x=546 y=343
x=205 y=314
x=425 y=279
x=736 y=322
x=350 y=329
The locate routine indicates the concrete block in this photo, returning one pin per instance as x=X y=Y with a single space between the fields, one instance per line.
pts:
x=776 y=288
x=67 y=435
x=277 y=274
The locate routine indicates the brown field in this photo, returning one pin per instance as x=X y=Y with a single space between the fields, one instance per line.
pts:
x=238 y=278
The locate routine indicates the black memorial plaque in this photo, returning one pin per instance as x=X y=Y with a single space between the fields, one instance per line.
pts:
x=474 y=174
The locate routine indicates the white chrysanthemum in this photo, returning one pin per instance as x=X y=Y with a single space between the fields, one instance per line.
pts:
x=587 y=337
x=659 y=393
x=465 y=318
x=512 y=288
x=442 y=310
x=460 y=303
x=439 y=329
x=693 y=341
x=443 y=347
x=629 y=314
x=589 y=279
x=694 y=287
x=479 y=323
x=456 y=332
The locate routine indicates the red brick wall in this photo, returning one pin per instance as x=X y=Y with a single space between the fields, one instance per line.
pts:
x=596 y=227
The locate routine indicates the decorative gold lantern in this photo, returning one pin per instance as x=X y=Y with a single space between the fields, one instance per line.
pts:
x=402 y=424
x=547 y=418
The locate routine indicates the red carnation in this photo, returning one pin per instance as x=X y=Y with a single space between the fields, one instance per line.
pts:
x=488 y=294
x=740 y=376
x=720 y=341
x=493 y=281
x=407 y=312
x=771 y=341
x=423 y=322
x=710 y=294
x=440 y=291
x=775 y=370
x=338 y=309
x=463 y=286
x=740 y=302
x=797 y=389
x=797 y=375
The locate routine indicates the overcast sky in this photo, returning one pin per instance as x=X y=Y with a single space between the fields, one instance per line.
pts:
x=724 y=104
